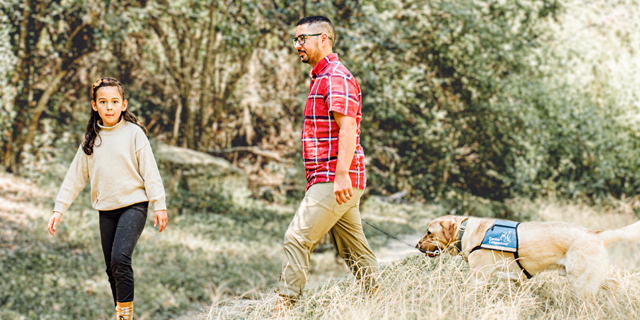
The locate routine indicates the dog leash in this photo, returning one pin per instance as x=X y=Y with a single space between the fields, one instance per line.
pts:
x=438 y=252
x=390 y=236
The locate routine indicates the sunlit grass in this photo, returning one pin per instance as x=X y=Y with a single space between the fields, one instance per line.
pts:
x=224 y=266
x=436 y=288
x=423 y=288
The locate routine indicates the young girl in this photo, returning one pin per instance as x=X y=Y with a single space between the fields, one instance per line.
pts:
x=117 y=157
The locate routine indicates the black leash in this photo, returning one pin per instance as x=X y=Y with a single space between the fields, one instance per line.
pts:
x=388 y=235
x=437 y=252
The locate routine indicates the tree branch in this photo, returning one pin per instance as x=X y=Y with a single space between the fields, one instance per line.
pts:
x=168 y=51
x=73 y=34
x=255 y=150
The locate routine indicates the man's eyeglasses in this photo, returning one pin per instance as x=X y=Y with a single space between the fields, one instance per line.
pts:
x=301 y=39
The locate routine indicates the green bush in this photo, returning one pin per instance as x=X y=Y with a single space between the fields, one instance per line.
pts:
x=570 y=146
x=431 y=84
x=189 y=202
x=464 y=99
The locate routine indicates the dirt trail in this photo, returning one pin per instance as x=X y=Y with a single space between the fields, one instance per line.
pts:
x=397 y=250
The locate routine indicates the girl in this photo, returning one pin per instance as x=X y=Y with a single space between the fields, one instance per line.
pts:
x=116 y=156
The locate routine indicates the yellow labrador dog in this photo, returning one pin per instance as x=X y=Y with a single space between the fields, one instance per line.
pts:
x=575 y=251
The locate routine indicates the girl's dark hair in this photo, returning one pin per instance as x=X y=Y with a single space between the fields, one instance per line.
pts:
x=93 y=130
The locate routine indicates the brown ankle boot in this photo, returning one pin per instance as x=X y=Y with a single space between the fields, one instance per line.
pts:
x=283 y=304
x=124 y=310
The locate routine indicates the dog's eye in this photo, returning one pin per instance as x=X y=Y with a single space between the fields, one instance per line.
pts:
x=428 y=232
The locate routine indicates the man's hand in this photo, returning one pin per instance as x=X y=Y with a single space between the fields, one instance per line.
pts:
x=161 y=215
x=342 y=188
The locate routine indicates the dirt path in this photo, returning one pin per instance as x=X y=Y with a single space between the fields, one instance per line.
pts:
x=397 y=250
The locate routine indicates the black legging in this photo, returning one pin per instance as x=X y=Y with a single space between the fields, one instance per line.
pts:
x=120 y=230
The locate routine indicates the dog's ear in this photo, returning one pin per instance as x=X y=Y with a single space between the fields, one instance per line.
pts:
x=448 y=227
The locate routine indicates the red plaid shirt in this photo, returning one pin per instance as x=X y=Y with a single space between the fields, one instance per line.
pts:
x=333 y=89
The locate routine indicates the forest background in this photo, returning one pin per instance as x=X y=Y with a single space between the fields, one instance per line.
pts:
x=466 y=104
x=464 y=98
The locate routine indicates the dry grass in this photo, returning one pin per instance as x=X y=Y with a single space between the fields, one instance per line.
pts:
x=413 y=288
x=423 y=288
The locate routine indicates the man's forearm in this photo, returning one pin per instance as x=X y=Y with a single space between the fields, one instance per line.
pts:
x=346 y=148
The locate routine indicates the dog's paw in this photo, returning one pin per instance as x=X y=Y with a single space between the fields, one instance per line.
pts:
x=611 y=284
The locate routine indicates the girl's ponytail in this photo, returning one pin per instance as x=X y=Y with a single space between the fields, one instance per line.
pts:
x=91 y=133
x=93 y=130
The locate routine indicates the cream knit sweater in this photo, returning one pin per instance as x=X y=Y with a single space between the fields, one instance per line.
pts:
x=122 y=170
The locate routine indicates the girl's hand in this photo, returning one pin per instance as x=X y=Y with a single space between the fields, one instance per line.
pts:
x=53 y=222
x=162 y=216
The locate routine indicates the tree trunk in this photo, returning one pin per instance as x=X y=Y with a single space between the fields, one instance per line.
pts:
x=191 y=123
x=224 y=90
x=205 y=83
x=42 y=104
x=176 y=122
x=192 y=60
x=30 y=30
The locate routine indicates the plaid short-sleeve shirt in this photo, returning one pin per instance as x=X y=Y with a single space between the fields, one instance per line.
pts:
x=333 y=89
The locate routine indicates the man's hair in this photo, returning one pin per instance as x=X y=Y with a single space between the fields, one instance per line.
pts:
x=321 y=23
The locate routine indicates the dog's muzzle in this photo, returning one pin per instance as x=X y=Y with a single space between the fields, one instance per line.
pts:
x=430 y=254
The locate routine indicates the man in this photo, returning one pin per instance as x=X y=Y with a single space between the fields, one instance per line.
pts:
x=334 y=163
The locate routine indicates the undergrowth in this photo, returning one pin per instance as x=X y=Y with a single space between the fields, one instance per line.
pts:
x=424 y=288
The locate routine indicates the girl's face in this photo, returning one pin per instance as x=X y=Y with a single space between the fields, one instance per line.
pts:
x=109 y=105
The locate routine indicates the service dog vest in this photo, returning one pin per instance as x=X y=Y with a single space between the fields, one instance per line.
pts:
x=503 y=236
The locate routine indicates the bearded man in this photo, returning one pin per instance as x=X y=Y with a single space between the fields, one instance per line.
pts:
x=334 y=164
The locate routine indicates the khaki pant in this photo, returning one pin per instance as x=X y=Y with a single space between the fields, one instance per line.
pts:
x=318 y=214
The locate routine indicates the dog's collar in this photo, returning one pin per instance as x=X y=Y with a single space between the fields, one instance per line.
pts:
x=461 y=230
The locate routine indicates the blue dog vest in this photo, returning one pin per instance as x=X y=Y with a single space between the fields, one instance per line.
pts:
x=503 y=236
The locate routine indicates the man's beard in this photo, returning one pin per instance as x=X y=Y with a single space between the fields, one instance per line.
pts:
x=304 y=58
x=308 y=56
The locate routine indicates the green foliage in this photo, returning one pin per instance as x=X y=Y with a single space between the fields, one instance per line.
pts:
x=429 y=93
x=210 y=202
x=568 y=145
x=51 y=41
x=462 y=99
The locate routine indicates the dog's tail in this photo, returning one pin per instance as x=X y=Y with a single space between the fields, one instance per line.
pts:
x=629 y=233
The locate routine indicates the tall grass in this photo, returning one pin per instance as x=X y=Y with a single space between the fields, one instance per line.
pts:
x=418 y=287
x=224 y=266
x=423 y=288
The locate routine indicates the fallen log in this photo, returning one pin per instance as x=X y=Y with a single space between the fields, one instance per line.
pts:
x=255 y=150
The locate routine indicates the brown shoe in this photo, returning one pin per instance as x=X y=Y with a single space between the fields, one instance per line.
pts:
x=283 y=305
x=124 y=310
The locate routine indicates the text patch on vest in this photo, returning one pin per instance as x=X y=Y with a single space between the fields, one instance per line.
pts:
x=502 y=236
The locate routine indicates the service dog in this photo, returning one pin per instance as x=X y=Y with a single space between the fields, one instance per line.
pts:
x=575 y=251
